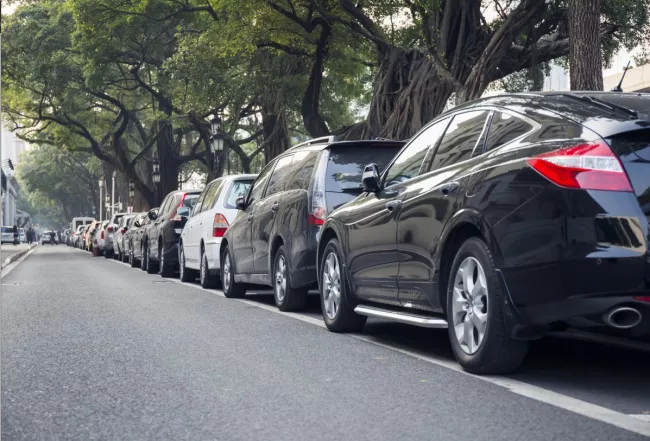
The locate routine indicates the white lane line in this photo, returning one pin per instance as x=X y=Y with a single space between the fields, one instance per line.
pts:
x=632 y=423
x=9 y=268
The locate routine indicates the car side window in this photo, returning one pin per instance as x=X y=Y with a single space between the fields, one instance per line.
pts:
x=505 y=128
x=280 y=176
x=257 y=191
x=461 y=137
x=211 y=197
x=197 y=207
x=409 y=161
x=299 y=174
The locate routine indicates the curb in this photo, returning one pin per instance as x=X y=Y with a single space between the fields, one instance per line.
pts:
x=17 y=256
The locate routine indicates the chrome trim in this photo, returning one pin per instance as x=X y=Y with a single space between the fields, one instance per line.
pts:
x=609 y=315
x=402 y=317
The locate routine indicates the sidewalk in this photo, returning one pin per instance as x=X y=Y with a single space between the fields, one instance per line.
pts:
x=8 y=251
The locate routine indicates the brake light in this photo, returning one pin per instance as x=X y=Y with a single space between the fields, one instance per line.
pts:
x=318 y=204
x=102 y=234
x=589 y=166
x=219 y=226
x=123 y=230
x=110 y=229
x=175 y=216
x=642 y=298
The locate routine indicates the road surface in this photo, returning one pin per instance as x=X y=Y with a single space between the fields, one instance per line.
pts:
x=92 y=349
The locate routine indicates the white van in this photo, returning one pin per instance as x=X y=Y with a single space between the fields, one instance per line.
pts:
x=77 y=221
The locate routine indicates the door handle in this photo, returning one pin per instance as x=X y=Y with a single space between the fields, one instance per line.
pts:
x=449 y=187
x=274 y=207
x=250 y=218
x=392 y=205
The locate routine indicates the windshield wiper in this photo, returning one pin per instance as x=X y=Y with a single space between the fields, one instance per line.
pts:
x=607 y=104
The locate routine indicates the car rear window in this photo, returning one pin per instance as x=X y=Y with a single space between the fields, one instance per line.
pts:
x=346 y=164
x=190 y=200
x=237 y=189
x=7 y=230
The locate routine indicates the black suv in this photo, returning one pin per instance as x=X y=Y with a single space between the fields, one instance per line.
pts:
x=273 y=240
x=160 y=246
x=500 y=220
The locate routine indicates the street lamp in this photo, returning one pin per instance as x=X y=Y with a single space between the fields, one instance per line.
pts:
x=131 y=190
x=156 y=171
x=216 y=140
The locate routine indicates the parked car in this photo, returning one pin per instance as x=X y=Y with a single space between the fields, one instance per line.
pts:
x=7 y=234
x=161 y=238
x=100 y=237
x=109 y=235
x=273 y=241
x=90 y=235
x=22 y=236
x=78 y=235
x=47 y=238
x=134 y=227
x=200 y=243
x=118 y=236
x=138 y=240
x=500 y=220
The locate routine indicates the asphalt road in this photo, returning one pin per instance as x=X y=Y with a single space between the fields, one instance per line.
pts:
x=92 y=349
x=8 y=250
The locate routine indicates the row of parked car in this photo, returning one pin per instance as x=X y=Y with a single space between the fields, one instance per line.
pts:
x=500 y=220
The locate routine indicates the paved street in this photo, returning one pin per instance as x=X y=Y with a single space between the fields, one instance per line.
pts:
x=8 y=250
x=92 y=349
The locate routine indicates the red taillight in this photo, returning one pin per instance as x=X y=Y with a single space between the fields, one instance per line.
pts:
x=110 y=229
x=315 y=220
x=642 y=298
x=219 y=226
x=175 y=216
x=591 y=166
x=102 y=234
x=318 y=203
x=123 y=230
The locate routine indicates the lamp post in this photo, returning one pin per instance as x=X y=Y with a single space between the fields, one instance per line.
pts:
x=131 y=192
x=113 y=195
x=216 y=141
x=155 y=176
x=101 y=187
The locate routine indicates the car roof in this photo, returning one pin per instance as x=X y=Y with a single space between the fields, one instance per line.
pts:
x=319 y=144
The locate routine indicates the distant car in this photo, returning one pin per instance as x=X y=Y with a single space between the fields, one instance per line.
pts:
x=138 y=238
x=22 y=236
x=100 y=237
x=133 y=230
x=7 y=235
x=161 y=239
x=77 y=235
x=90 y=235
x=201 y=238
x=110 y=234
x=118 y=236
x=47 y=238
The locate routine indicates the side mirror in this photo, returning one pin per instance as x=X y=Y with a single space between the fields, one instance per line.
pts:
x=151 y=215
x=183 y=212
x=241 y=203
x=370 y=178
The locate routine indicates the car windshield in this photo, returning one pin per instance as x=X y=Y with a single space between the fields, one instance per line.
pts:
x=237 y=189
x=346 y=164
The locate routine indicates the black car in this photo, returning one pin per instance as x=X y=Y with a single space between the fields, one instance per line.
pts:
x=273 y=240
x=503 y=219
x=162 y=237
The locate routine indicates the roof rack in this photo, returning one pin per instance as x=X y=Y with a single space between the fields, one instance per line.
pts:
x=321 y=140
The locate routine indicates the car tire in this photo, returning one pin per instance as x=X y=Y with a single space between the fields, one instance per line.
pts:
x=231 y=289
x=132 y=260
x=477 y=328
x=125 y=257
x=185 y=274
x=286 y=297
x=338 y=312
x=151 y=268
x=164 y=269
x=207 y=279
x=143 y=261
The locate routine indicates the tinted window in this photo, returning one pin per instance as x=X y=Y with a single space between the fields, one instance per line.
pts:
x=237 y=189
x=461 y=137
x=190 y=200
x=260 y=184
x=280 y=175
x=346 y=164
x=7 y=230
x=301 y=170
x=166 y=204
x=503 y=129
x=211 y=196
x=410 y=160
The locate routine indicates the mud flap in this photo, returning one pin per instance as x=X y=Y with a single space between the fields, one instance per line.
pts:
x=515 y=323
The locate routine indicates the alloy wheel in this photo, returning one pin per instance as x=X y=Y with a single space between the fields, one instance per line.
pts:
x=226 y=272
x=469 y=305
x=182 y=263
x=203 y=268
x=331 y=286
x=280 y=279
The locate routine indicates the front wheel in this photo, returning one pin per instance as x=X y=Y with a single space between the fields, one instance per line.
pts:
x=338 y=313
x=143 y=260
x=151 y=267
x=164 y=268
x=287 y=298
x=186 y=274
x=475 y=302
x=231 y=289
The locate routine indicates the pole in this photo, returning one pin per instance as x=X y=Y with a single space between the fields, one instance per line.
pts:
x=101 y=202
x=113 y=196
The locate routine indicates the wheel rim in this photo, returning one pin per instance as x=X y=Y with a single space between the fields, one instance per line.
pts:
x=226 y=272
x=161 y=257
x=182 y=263
x=469 y=305
x=331 y=286
x=280 y=279
x=203 y=268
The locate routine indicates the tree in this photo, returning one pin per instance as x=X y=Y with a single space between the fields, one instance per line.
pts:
x=585 y=59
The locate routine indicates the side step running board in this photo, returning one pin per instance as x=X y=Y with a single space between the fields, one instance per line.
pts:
x=402 y=317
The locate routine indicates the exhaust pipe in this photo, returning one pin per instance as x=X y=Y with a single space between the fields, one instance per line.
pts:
x=622 y=317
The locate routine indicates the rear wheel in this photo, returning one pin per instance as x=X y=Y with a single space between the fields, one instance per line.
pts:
x=475 y=302
x=151 y=267
x=165 y=269
x=207 y=279
x=287 y=298
x=143 y=260
x=186 y=274
x=231 y=289
x=338 y=313
x=132 y=260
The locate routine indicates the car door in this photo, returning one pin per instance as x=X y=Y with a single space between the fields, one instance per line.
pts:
x=154 y=231
x=240 y=231
x=264 y=216
x=373 y=261
x=191 y=232
x=429 y=201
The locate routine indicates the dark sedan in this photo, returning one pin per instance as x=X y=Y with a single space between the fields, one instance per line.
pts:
x=502 y=219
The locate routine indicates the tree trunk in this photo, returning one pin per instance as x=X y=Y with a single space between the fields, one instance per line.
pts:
x=585 y=58
x=276 y=133
x=169 y=166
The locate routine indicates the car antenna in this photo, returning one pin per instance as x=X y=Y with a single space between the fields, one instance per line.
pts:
x=618 y=88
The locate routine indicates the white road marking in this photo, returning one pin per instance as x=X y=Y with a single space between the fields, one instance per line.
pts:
x=632 y=423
